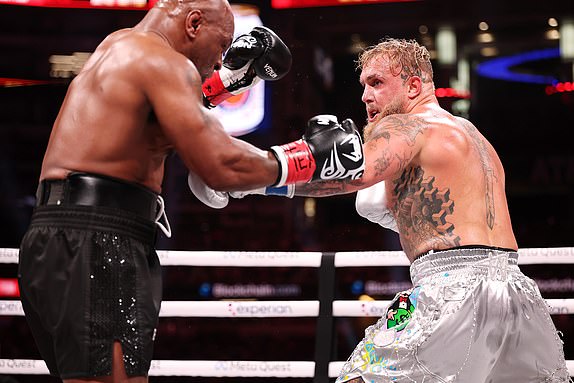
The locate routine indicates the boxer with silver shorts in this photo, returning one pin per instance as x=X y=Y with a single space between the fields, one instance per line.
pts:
x=471 y=316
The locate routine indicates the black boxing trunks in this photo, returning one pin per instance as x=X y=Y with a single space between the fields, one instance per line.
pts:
x=471 y=316
x=89 y=275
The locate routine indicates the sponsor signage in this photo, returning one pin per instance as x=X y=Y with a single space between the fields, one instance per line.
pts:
x=279 y=4
x=99 y=4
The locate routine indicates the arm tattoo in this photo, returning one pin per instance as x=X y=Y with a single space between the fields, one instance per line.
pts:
x=383 y=162
x=403 y=127
x=422 y=211
x=487 y=170
x=327 y=188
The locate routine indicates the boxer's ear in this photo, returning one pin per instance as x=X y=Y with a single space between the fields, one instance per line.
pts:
x=193 y=22
x=414 y=86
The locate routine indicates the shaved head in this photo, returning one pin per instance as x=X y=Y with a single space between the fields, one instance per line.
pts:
x=211 y=8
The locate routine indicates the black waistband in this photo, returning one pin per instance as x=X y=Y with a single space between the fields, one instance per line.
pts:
x=84 y=189
x=465 y=247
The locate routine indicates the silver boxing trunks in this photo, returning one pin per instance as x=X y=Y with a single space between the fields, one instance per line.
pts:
x=472 y=316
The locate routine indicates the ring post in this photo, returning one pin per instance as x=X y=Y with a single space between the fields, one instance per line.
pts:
x=324 y=332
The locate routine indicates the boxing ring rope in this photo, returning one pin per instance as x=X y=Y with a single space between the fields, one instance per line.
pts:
x=325 y=308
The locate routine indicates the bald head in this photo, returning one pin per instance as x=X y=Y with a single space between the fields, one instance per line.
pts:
x=201 y=30
x=218 y=12
x=211 y=8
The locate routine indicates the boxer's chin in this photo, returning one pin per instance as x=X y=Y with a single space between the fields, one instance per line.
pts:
x=395 y=107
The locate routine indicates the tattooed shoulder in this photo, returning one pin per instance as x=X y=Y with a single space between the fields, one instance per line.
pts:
x=404 y=125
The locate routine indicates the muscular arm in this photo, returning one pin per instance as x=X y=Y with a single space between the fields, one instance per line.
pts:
x=328 y=188
x=223 y=162
x=393 y=143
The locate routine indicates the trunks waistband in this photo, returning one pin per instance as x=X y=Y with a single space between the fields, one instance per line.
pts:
x=465 y=247
x=83 y=189
x=94 y=218
x=486 y=258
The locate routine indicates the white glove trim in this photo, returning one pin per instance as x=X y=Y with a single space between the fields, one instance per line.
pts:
x=283 y=166
x=290 y=191
x=205 y=194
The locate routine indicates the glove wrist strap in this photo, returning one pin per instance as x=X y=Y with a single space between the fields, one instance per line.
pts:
x=296 y=163
x=214 y=90
x=282 y=162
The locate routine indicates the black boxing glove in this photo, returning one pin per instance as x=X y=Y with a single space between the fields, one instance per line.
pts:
x=327 y=151
x=258 y=55
x=275 y=61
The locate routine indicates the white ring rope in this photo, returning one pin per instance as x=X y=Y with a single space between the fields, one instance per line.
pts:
x=207 y=368
x=555 y=255
x=202 y=368
x=275 y=309
x=379 y=308
x=212 y=309
x=266 y=309
x=217 y=258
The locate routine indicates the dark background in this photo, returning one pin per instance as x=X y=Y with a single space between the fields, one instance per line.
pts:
x=531 y=131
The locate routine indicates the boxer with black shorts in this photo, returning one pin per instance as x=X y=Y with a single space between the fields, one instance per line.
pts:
x=471 y=316
x=89 y=275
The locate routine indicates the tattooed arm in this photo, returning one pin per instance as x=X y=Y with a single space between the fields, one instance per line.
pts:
x=391 y=144
x=327 y=188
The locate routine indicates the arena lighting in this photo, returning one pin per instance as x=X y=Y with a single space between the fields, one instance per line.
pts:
x=281 y=4
x=99 y=4
x=6 y=82
x=446 y=45
x=567 y=39
x=9 y=288
x=560 y=87
x=500 y=68
x=67 y=66
x=451 y=92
